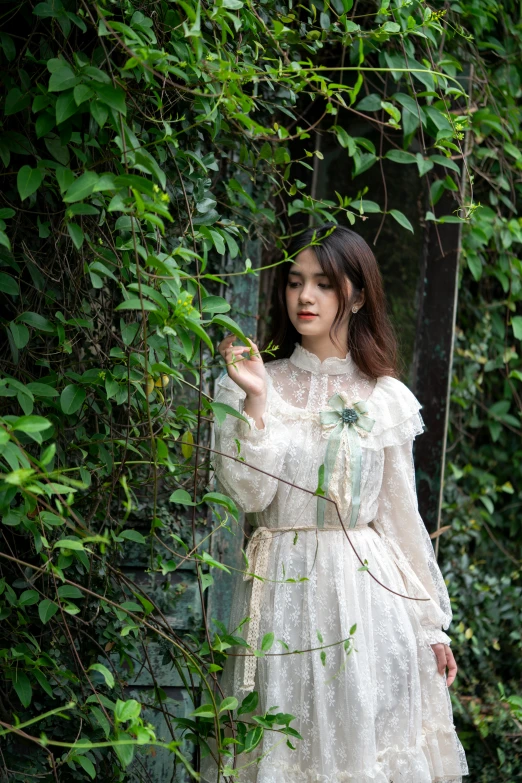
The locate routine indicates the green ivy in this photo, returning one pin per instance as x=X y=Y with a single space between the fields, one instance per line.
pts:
x=143 y=146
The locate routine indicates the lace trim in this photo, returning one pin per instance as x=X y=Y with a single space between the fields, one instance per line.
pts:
x=333 y=365
x=393 y=765
x=435 y=635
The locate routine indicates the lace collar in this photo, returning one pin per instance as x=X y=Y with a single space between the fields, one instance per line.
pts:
x=306 y=360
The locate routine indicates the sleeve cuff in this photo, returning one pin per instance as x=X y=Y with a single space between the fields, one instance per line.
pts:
x=250 y=431
x=434 y=635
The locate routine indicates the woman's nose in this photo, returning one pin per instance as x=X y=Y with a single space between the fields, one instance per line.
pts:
x=306 y=294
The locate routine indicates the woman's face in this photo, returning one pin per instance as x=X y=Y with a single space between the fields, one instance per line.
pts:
x=311 y=301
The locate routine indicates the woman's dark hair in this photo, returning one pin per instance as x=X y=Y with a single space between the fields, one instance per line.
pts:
x=342 y=254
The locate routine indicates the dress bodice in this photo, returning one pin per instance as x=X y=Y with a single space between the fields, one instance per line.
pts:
x=275 y=471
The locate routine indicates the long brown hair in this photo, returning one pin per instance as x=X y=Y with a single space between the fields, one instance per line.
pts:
x=342 y=254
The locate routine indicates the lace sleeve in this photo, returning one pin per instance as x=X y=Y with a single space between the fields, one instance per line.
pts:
x=263 y=448
x=399 y=523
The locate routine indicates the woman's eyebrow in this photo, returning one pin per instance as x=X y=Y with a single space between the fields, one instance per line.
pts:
x=316 y=274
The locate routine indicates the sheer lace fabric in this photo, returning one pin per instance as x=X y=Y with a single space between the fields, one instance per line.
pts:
x=382 y=713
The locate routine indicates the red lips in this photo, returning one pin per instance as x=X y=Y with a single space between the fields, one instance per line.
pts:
x=306 y=315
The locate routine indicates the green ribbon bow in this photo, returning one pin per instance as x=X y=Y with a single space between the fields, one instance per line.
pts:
x=353 y=418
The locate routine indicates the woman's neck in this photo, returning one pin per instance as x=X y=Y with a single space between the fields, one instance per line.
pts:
x=323 y=347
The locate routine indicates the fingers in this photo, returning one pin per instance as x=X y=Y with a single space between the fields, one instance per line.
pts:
x=225 y=344
x=255 y=354
x=452 y=666
x=232 y=353
x=445 y=658
x=440 y=655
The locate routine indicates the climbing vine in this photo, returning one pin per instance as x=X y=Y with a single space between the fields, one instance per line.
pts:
x=144 y=147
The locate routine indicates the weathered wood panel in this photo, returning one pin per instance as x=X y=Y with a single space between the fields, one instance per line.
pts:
x=243 y=295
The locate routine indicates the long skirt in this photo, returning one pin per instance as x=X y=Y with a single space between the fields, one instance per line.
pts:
x=374 y=710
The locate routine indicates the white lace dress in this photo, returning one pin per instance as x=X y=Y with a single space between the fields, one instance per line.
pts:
x=378 y=711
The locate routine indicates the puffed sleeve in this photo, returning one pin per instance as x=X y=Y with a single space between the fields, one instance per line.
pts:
x=263 y=448
x=398 y=520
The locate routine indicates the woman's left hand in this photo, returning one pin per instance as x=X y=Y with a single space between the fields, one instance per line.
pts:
x=445 y=658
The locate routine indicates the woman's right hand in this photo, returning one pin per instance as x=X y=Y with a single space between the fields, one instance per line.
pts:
x=247 y=371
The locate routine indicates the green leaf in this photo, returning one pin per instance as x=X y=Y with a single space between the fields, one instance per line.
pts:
x=182 y=497
x=62 y=79
x=44 y=124
x=391 y=27
x=112 y=96
x=267 y=642
x=76 y=234
x=58 y=150
x=8 y=46
x=28 y=181
x=106 y=674
x=229 y=703
x=205 y=711
x=222 y=500
x=214 y=304
x=87 y=765
x=423 y=165
x=46 y=610
x=41 y=389
x=221 y=410
x=401 y=219
x=72 y=398
x=99 y=112
x=16 y=101
x=65 y=178
x=31 y=424
x=207 y=580
x=249 y=703
x=516 y=323
x=400 y=156
x=4 y=240
x=69 y=543
x=370 y=103
x=22 y=687
x=28 y=598
x=232 y=326
x=443 y=161
x=8 y=285
x=37 y=321
x=125 y=753
x=81 y=187
x=82 y=93
x=200 y=332
x=43 y=682
x=127 y=710
x=133 y=535
x=102 y=721
x=65 y=107
x=136 y=304
x=70 y=591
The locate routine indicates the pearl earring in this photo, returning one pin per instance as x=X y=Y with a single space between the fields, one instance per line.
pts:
x=354 y=309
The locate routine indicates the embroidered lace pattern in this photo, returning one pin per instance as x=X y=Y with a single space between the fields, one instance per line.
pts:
x=379 y=713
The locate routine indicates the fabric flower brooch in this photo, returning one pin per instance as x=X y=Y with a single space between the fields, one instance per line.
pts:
x=346 y=423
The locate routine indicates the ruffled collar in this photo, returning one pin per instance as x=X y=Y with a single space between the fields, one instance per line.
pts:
x=306 y=360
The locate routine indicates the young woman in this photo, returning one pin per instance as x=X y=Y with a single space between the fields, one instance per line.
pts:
x=350 y=589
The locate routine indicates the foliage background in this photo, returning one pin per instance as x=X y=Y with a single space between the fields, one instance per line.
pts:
x=144 y=146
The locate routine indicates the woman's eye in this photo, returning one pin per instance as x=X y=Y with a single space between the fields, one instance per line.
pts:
x=292 y=285
x=324 y=285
